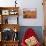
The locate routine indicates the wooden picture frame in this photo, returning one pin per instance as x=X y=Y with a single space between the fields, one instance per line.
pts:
x=29 y=13
x=13 y=12
x=5 y=12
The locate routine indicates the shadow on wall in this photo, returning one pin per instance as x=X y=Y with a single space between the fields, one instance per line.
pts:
x=37 y=29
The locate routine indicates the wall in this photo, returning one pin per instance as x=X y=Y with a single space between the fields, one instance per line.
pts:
x=33 y=22
x=27 y=4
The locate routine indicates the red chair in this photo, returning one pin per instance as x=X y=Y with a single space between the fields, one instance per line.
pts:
x=29 y=33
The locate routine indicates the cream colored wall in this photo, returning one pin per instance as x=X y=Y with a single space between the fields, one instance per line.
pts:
x=33 y=22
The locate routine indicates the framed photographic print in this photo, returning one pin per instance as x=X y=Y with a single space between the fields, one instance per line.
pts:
x=13 y=12
x=29 y=13
x=5 y=12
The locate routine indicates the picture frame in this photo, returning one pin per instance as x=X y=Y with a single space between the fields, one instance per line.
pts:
x=13 y=12
x=5 y=12
x=29 y=13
